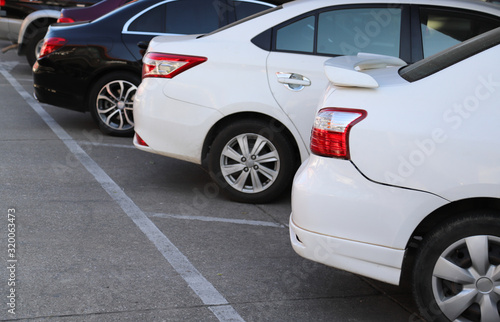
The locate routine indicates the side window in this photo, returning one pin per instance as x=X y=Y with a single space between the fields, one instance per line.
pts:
x=297 y=36
x=152 y=20
x=244 y=9
x=350 y=31
x=442 y=29
x=192 y=17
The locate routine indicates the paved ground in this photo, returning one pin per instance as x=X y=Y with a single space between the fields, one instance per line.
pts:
x=104 y=232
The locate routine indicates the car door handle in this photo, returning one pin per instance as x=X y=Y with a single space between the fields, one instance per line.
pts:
x=292 y=81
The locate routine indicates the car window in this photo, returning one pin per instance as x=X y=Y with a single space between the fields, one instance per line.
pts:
x=350 y=31
x=152 y=20
x=179 y=17
x=442 y=29
x=297 y=36
x=344 y=32
x=244 y=9
x=192 y=17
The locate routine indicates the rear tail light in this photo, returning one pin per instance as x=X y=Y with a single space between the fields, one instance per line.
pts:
x=2 y=3
x=330 y=134
x=65 y=19
x=50 y=45
x=168 y=65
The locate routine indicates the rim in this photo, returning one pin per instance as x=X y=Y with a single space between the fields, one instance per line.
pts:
x=466 y=279
x=250 y=163
x=115 y=104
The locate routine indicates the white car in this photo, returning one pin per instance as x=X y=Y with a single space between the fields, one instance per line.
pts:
x=404 y=177
x=242 y=99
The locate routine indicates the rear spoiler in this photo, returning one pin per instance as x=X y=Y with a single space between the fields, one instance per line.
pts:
x=347 y=71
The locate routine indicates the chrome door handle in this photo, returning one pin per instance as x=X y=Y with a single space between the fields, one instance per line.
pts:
x=292 y=81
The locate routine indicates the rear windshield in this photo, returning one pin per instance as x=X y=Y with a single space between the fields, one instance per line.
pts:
x=451 y=56
x=261 y=13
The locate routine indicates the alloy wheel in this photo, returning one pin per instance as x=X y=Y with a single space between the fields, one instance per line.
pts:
x=250 y=163
x=115 y=105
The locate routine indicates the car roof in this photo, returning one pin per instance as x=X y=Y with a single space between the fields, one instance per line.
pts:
x=450 y=56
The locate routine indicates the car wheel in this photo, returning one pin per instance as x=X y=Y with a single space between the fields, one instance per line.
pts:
x=111 y=103
x=457 y=271
x=34 y=45
x=252 y=161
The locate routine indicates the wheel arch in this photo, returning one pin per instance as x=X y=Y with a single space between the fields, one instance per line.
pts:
x=32 y=23
x=440 y=217
x=217 y=128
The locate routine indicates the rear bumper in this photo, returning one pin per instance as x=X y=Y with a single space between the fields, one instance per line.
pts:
x=57 y=89
x=380 y=263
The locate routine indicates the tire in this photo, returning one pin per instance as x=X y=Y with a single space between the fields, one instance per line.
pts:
x=460 y=261
x=111 y=103
x=240 y=170
x=34 y=45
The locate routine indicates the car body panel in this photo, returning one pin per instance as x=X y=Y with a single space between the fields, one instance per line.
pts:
x=415 y=160
x=447 y=132
x=296 y=106
x=92 y=12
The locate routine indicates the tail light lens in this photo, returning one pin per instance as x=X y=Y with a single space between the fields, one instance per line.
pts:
x=2 y=3
x=330 y=134
x=168 y=65
x=65 y=19
x=50 y=45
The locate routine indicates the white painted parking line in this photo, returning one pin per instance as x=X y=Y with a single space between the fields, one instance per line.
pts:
x=216 y=303
x=107 y=145
x=216 y=219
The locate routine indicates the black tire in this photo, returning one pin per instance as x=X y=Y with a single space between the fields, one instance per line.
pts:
x=251 y=178
x=111 y=103
x=34 y=42
x=458 y=261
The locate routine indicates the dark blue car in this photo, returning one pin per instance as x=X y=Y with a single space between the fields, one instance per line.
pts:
x=96 y=66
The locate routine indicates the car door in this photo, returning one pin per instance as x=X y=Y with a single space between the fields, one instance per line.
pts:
x=301 y=46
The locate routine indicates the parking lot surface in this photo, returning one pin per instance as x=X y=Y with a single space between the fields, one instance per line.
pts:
x=95 y=230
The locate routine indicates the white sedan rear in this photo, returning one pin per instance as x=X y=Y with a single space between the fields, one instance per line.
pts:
x=404 y=176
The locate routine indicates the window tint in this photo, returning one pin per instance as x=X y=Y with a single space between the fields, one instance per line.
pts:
x=152 y=20
x=192 y=16
x=297 y=36
x=350 y=31
x=442 y=29
x=244 y=9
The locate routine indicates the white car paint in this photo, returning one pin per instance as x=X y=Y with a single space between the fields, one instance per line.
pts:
x=422 y=145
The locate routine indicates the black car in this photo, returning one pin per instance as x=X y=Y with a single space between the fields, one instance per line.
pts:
x=96 y=66
x=24 y=23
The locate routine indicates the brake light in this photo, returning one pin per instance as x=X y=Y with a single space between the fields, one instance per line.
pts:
x=330 y=134
x=2 y=3
x=65 y=19
x=168 y=65
x=50 y=45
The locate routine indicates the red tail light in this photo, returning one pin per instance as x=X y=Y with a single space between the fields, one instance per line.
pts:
x=51 y=44
x=168 y=65
x=330 y=134
x=64 y=19
x=2 y=3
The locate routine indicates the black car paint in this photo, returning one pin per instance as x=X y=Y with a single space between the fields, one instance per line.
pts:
x=64 y=77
